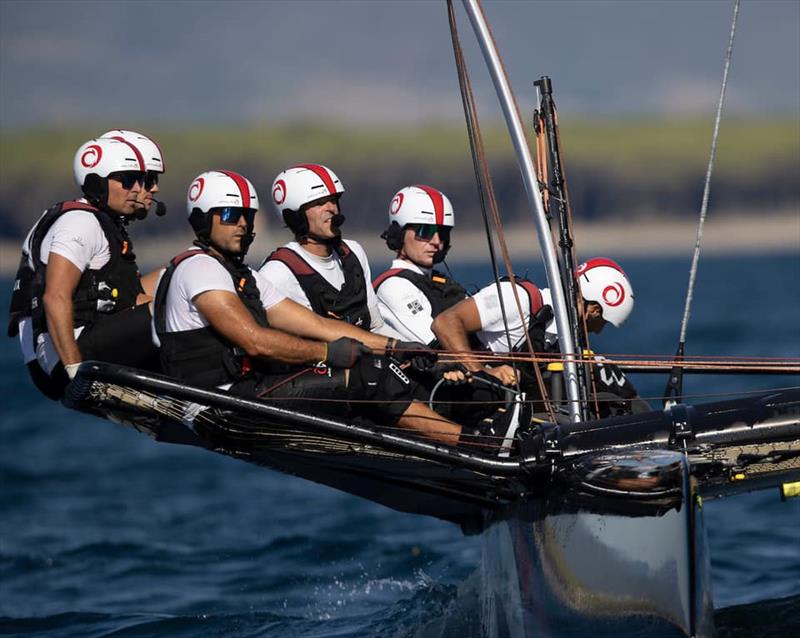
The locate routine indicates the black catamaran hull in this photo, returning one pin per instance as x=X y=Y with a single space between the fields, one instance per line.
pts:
x=593 y=529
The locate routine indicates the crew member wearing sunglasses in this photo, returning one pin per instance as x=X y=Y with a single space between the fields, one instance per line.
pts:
x=411 y=293
x=79 y=294
x=221 y=324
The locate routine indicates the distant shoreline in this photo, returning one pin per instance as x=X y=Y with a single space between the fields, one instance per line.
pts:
x=728 y=235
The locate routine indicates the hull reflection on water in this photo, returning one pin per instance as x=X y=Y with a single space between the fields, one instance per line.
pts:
x=632 y=562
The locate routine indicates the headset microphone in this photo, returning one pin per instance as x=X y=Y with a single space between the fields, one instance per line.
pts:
x=337 y=220
x=161 y=208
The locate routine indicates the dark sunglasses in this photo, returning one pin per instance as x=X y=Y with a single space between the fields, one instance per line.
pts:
x=425 y=232
x=230 y=215
x=150 y=180
x=129 y=178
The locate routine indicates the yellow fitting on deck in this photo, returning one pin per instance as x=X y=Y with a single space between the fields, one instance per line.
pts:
x=555 y=367
x=739 y=476
x=790 y=490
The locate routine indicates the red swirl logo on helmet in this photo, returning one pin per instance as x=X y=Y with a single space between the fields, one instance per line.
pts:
x=396 y=204
x=91 y=156
x=196 y=189
x=614 y=295
x=279 y=192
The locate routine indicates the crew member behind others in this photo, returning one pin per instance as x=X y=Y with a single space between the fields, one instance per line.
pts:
x=221 y=324
x=78 y=294
x=319 y=269
x=606 y=297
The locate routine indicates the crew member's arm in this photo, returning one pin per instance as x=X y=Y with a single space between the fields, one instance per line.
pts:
x=228 y=315
x=453 y=327
x=61 y=280
x=293 y=318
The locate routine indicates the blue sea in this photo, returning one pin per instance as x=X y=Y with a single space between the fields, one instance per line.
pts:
x=104 y=532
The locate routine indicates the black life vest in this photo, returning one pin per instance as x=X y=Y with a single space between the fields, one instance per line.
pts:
x=348 y=304
x=442 y=293
x=107 y=290
x=203 y=357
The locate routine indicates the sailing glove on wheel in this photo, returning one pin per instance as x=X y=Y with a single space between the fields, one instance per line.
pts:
x=344 y=352
x=418 y=354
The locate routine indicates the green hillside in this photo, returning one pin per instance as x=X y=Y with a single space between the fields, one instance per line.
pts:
x=632 y=164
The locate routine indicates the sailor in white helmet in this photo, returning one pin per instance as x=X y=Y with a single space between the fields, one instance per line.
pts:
x=606 y=297
x=156 y=166
x=221 y=324
x=319 y=269
x=411 y=293
x=78 y=293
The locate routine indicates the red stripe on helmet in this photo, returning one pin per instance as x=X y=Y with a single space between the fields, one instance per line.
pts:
x=139 y=158
x=244 y=189
x=598 y=261
x=438 y=202
x=322 y=173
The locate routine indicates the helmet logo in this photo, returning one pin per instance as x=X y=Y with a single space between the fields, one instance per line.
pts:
x=396 y=204
x=614 y=295
x=196 y=189
x=279 y=192
x=91 y=156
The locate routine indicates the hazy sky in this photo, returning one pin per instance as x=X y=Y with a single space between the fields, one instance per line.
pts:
x=185 y=61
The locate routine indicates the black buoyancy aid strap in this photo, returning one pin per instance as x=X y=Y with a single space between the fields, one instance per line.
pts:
x=442 y=293
x=117 y=283
x=349 y=303
x=160 y=298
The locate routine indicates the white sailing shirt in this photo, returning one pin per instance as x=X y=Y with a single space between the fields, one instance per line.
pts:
x=196 y=275
x=493 y=333
x=404 y=307
x=77 y=236
x=331 y=269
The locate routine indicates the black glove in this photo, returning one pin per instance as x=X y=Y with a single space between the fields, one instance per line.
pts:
x=418 y=354
x=344 y=352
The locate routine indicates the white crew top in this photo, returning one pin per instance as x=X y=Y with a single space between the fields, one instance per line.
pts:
x=196 y=275
x=492 y=333
x=77 y=236
x=331 y=269
x=404 y=307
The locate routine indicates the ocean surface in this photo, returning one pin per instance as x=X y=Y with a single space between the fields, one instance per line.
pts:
x=104 y=532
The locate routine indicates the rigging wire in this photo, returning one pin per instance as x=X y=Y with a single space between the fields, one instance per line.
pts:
x=674 y=387
x=484 y=178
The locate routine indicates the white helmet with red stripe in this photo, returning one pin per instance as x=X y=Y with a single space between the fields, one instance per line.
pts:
x=151 y=151
x=302 y=184
x=218 y=189
x=604 y=282
x=420 y=204
x=104 y=156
